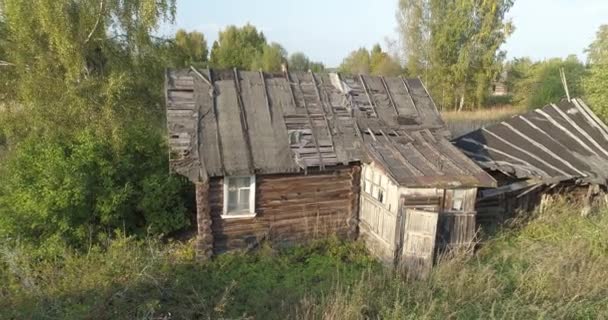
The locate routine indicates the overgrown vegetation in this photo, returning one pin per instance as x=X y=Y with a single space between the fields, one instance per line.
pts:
x=536 y=84
x=460 y=123
x=454 y=46
x=553 y=266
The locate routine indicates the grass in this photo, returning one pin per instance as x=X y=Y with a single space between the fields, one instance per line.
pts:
x=553 y=266
x=460 y=123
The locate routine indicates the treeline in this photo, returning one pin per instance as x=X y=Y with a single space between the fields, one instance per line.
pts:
x=533 y=84
x=244 y=48
x=83 y=151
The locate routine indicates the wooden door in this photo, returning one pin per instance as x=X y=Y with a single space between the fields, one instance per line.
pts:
x=419 y=234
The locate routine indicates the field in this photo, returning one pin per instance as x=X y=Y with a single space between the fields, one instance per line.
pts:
x=460 y=123
x=551 y=266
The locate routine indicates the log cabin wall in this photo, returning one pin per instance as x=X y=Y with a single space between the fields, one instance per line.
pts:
x=291 y=208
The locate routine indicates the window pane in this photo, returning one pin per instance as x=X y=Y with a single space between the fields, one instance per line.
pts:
x=457 y=204
x=240 y=182
x=368 y=186
x=232 y=199
x=243 y=203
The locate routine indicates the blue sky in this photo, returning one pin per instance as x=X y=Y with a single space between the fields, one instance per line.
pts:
x=327 y=30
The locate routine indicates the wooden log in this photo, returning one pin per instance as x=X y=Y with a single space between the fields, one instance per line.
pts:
x=204 y=239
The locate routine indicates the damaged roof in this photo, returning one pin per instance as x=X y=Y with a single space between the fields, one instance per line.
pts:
x=563 y=141
x=230 y=123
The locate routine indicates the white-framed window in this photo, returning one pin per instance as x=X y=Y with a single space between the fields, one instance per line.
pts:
x=374 y=184
x=239 y=197
x=458 y=196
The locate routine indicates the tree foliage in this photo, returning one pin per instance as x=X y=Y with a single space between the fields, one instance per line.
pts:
x=270 y=59
x=190 y=49
x=376 y=62
x=84 y=123
x=536 y=84
x=237 y=47
x=454 y=46
x=300 y=62
x=595 y=84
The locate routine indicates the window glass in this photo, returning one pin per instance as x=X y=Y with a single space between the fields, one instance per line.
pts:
x=375 y=184
x=458 y=200
x=238 y=195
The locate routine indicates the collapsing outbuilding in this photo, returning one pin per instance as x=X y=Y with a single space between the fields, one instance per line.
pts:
x=559 y=149
x=292 y=156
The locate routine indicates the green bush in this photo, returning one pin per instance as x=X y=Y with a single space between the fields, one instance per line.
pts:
x=536 y=84
x=76 y=189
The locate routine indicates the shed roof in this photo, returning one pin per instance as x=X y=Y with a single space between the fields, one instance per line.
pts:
x=562 y=141
x=241 y=122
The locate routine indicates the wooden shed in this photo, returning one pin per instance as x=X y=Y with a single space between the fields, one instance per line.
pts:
x=280 y=156
x=560 y=149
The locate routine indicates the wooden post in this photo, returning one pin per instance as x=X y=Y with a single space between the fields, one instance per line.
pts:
x=204 y=236
x=592 y=191
x=353 y=220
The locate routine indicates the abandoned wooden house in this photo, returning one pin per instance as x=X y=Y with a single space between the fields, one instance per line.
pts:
x=561 y=149
x=293 y=156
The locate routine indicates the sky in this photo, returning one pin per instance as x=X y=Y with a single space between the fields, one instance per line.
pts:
x=327 y=30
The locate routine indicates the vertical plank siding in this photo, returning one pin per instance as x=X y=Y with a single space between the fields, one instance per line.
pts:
x=289 y=209
x=377 y=228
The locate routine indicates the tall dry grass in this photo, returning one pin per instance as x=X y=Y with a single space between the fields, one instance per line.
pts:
x=463 y=122
x=554 y=267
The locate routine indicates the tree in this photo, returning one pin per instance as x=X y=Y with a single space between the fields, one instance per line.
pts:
x=596 y=91
x=454 y=46
x=597 y=53
x=237 y=47
x=357 y=62
x=190 y=49
x=376 y=62
x=382 y=64
x=270 y=59
x=299 y=61
x=86 y=146
x=535 y=85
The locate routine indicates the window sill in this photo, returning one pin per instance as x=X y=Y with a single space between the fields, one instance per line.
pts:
x=239 y=216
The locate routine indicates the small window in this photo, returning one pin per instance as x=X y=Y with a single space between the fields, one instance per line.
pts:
x=458 y=196
x=373 y=184
x=239 y=196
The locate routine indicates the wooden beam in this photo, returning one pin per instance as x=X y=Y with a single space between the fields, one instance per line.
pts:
x=525 y=152
x=200 y=75
x=390 y=96
x=429 y=95
x=543 y=148
x=310 y=124
x=369 y=97
x=579 y=129
x=508 y=155
x=217 y=123
x=316 y=85
x=566 y=131
x=409 y=94
x=244 y=126
x=371 y=133
x=266 y=99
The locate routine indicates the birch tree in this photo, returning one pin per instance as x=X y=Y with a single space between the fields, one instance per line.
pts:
x=454 y=46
